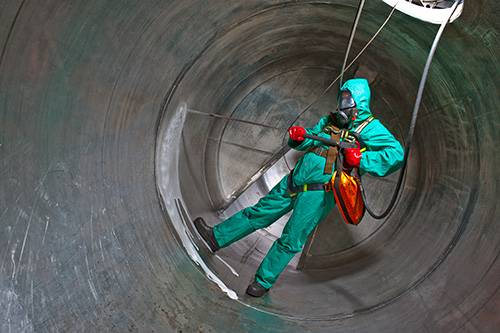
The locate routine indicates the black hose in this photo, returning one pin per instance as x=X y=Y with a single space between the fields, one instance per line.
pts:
x=412 y=125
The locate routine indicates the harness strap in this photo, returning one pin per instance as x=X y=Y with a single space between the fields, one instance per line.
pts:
x=349 y=136
x=332 y=152
x=363 y=124
x=294 y=190
x=318 y=151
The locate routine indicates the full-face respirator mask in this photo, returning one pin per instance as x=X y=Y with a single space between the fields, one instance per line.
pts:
x=346 y=111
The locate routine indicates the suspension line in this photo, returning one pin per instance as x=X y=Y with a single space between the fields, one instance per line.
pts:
x=351 y=38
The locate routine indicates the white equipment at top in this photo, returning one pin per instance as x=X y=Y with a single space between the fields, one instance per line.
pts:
x=433 y=11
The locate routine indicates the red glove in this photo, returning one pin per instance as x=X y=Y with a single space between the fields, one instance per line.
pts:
x=352 y=156
x=296 y=133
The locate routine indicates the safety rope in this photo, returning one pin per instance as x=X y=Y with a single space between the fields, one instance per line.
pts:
x=214 y=115
x=412 y=124
x=351 y=38
x=350 y=64
x=415 y=111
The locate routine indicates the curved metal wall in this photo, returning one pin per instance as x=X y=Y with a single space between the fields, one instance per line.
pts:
x=106 y=157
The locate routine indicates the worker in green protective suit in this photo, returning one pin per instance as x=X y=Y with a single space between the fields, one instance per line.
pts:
x=383 y=155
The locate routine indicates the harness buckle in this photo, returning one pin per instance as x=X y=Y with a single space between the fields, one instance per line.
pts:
x=328 y=187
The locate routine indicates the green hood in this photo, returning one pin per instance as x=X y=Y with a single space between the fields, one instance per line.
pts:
x=360 y=91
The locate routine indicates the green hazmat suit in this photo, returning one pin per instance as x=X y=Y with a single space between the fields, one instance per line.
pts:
x=383 y=156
